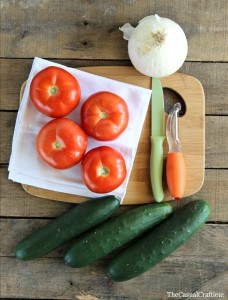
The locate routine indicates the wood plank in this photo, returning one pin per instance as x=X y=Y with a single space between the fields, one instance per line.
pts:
x=216 y=141
x=210 y=243
x=211 y=75
x=14 y=230
x=7 y=124
x=72 y=29
x=50 y=278
x=213 y=78
x=15 y=202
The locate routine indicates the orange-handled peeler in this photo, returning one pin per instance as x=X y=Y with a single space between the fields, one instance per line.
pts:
x=175 y=165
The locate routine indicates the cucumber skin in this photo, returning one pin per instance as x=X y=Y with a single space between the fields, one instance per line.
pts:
x=68 y=225
x=159 y=243
x=114 y=233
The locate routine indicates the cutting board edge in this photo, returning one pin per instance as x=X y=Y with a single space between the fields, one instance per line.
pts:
x=26 y=188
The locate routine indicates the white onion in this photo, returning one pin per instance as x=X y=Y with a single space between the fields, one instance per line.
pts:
x=157 y=47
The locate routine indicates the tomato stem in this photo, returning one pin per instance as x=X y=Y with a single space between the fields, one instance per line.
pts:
x=104 y=171
x=53 y=90
x=57 y=145
x=103 y=115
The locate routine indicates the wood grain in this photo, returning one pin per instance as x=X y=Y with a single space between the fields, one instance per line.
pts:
x=211 y=75
x=217 y=130
x=82 y=35
x=50 y=278
x=15 y=202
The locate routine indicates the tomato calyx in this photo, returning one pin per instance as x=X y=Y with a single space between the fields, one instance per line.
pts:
x=57 y=145
x=103 y=115
x=53 y=90
x=103 y=171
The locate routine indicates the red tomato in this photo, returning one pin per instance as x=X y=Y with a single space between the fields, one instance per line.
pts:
x=55 y=92
x=104 y=116
x=61 y=143
x=103 y=169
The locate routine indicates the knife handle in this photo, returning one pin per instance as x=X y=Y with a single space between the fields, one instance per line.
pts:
x=156 y=167
x=176 y=174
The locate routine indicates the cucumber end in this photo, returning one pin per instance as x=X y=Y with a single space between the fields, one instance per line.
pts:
x=118 y=277
x=68 y=260
x=20 y=254
x=71 y=261
x=169 y=209
x=112 y=276
x=206 y=206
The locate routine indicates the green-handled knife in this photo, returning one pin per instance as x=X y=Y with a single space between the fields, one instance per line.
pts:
x=157 y=138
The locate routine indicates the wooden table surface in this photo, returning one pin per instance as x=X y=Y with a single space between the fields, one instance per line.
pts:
x=85 y=33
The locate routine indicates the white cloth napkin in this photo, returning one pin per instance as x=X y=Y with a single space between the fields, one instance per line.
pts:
x=26 y=167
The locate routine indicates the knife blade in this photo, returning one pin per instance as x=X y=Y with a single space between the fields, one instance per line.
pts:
x=157 y=138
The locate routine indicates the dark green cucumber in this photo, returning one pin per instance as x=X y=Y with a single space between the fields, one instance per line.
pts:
x=160 y=242
x=114 y=233
x=70 y=224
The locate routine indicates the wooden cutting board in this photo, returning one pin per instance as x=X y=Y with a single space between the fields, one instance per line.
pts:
x=192 y=135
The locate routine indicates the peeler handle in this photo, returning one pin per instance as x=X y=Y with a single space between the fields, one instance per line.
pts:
x=176 y=174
